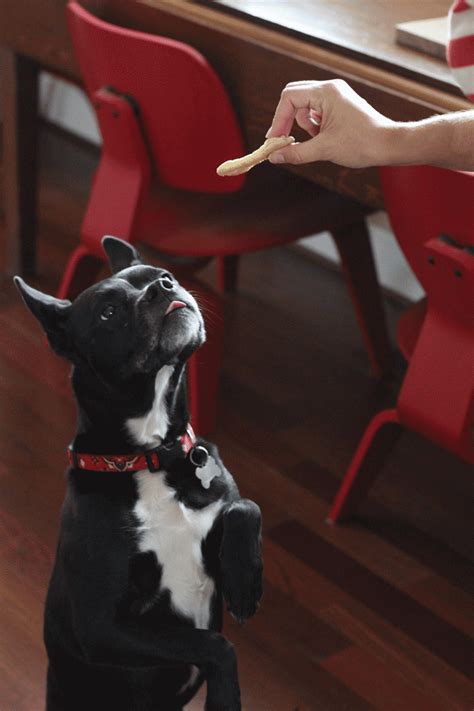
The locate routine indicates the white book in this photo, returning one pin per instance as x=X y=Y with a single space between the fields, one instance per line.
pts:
x=429 y=36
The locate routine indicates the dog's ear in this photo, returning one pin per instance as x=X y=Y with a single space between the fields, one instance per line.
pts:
x=52 y=313
x=120 y=254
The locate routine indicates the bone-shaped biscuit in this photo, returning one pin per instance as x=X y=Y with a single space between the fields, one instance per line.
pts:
x=244 y=164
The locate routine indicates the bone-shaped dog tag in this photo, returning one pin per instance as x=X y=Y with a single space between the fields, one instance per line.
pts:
x=207 y=473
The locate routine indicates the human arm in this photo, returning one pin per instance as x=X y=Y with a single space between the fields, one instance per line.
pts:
x=353 y=134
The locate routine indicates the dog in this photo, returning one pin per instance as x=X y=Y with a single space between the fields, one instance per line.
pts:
x=154 y=535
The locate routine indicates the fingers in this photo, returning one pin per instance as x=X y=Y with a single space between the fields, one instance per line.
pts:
x=345 y=129
x=298 y=153
x=296 y=97
x=306 y=121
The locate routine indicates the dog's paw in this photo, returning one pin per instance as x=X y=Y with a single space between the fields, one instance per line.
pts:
x=241 y=561
x=243 y=589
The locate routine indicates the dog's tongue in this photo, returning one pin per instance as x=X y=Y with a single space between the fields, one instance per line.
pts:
x=175 y=305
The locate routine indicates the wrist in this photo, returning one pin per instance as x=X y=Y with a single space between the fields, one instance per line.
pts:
x=387 y=144
x=401 y=144
x=430 y=141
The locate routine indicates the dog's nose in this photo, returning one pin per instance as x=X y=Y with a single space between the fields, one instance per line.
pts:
x=152 y=292
x=164 y=283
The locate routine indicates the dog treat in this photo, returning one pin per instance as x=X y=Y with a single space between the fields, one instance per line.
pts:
x=246 y=163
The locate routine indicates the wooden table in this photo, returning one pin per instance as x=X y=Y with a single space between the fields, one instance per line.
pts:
x=256 y=47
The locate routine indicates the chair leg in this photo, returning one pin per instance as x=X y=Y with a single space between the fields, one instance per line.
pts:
x=81 y=271
x=353 y=244
x=205 y=365
x=227 y=273
x=376 y=444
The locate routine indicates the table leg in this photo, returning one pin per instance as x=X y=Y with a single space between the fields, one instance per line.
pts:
x=355 y=251
x=19 y=99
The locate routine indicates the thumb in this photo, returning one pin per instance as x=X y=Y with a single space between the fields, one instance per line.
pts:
x=305 y=152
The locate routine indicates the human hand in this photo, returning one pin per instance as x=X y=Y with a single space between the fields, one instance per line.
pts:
x=344 y=128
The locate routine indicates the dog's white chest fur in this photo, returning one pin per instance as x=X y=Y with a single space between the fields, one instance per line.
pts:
x=151 y=428
x=175 y=533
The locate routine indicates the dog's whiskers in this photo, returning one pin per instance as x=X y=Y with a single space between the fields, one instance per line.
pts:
x=206 y=309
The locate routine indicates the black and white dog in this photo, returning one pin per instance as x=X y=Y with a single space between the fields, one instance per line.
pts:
x=153 y=532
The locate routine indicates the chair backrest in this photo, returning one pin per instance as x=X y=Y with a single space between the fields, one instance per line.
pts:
x=423 y=203
x=186 y=114
x=437 y=395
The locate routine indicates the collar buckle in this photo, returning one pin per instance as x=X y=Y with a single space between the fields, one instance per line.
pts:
x=73 y=457
x=152 y=460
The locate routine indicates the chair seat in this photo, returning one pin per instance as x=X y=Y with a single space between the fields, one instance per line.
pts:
x=273 y=208
x=409 y=327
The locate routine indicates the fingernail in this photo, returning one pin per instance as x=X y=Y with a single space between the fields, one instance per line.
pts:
x=277 y=158
x=269 y=131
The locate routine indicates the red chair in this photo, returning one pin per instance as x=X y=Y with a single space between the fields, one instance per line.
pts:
x=166 y=123
x=432 y=215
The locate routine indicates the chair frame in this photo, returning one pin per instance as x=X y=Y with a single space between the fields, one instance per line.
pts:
x=437 y=395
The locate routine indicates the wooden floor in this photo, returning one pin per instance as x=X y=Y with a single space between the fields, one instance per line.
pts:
x=372 y=615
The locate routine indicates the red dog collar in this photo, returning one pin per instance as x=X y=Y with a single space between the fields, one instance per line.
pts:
x=126 y=462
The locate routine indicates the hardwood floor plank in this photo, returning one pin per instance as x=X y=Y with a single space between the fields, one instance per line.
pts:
x=444 y=640
x=18 y=348
x=310 y=589
x=312 y=687
x=379 y=683
x=312 y=638
x=396 y=566
x=397 y=651
x=25 y=564
x=424 y=546
x=22 y=667
x=448 y=601
x=427 y=554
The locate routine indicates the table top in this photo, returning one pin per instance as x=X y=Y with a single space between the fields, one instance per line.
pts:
x=362 y=29
x=257 y=46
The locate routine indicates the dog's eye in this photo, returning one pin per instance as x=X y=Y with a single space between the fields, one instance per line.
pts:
x=167 y=282
x=108 y=312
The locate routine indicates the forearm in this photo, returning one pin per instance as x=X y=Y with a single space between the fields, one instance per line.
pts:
x=446 y=141
x=346 y=130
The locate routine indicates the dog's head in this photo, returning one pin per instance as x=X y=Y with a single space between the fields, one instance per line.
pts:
x=132 y=323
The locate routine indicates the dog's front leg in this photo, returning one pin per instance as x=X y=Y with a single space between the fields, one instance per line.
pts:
x=241 y=558
x=210 y=651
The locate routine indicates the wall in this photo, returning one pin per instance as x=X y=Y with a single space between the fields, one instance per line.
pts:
x=67 y=106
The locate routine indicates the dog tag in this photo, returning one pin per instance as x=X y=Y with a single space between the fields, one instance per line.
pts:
x=207 y=473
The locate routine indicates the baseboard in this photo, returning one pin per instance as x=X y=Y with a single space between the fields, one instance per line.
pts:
x=391 y=295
